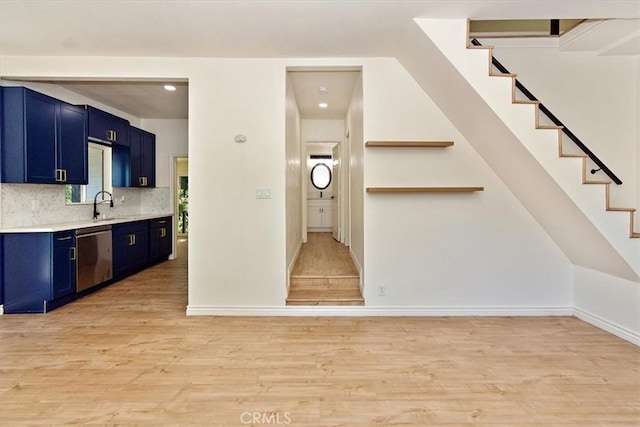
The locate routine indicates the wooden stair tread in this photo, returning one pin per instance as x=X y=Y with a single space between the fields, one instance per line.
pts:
x=597 y=182
x=613 y=209
x=325 y=297
x=324 y=294
x=524 y=101
x=325 y=302
x=472 y=46
x=424 y=189
x=549 y=127
x=503 y=75
x=635 y=235
x=570 y=155
x=404 y=144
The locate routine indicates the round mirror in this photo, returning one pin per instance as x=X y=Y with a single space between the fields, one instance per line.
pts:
x=321 y=176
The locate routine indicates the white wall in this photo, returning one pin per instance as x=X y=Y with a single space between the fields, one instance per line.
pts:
x=294 y=164
x=237 y=243
x=594 y=96
x=608 y=302
x=481 y=251
x=322 y=130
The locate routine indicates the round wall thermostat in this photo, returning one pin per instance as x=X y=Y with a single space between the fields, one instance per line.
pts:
x=240 y=138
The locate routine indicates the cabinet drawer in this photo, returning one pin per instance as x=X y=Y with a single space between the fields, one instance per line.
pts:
x=132 y=227
x=63 y=238
x=160 y=222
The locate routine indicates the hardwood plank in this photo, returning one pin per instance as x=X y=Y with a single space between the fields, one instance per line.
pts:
x=128 y=355
x=424 y=189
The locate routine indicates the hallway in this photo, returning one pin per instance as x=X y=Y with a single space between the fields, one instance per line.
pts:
x=324 y=274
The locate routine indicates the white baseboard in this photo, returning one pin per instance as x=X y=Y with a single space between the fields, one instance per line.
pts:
x=363 y=311
x=1 y=309
x=599 y=322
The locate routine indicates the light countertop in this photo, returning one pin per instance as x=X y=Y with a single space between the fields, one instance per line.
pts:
x=52 y=228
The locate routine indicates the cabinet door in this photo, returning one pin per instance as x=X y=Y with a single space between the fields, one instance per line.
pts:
x=98 y=124
x=72 y=144
x=160 y=239
x=139 y=251
x=120 y=254
x=135 y=153
x=64 y=269
x=26 y=288
x=327 y=216
x=166 y=244
x=148 y=159
x=41 y=134
x=314 y=217
x=120 y=128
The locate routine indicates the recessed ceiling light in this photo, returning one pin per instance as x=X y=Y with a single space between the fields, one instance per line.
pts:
x=323 y=105
x=323 y=90
x=170 y=88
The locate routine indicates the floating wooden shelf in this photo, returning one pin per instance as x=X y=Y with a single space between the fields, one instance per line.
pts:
x=424 y=189
x=427 y=144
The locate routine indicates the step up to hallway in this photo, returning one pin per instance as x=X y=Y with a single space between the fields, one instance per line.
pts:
x=324 y=274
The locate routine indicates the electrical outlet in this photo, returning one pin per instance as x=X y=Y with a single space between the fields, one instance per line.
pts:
x=263 y=193
x=381 y=290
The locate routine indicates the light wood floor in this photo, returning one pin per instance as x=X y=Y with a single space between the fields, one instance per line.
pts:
x=128 y=355
x=322 y=255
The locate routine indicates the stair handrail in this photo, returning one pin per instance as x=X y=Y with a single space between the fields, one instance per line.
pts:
x=555 y=120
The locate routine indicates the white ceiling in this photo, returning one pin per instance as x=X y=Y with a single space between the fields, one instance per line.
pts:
x=140 y=99
x=244 y=28
x=306 y=85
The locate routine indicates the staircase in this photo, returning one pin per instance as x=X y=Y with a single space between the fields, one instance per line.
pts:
x=606 y=231
x=542 y=114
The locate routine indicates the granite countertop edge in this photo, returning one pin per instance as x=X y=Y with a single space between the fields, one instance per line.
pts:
x=65 y=226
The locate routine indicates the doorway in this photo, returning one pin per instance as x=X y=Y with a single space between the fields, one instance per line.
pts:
x=321 y=104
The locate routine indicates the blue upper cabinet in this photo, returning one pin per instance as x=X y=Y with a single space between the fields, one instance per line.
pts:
x=143 y=158
x=43 y=140
x=105 y=127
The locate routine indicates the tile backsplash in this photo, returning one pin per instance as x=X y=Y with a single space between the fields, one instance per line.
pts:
x=37 y=204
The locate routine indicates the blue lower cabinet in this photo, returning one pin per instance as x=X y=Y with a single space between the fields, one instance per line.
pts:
x=160 y=239
x=130 y=247
x=37 y=269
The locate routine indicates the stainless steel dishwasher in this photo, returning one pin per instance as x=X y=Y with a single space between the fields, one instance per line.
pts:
x=95 y=260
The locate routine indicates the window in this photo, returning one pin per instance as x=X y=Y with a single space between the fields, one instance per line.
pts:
x=99 y=165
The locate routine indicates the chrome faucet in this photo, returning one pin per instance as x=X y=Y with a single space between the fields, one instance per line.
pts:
x=95 y=202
